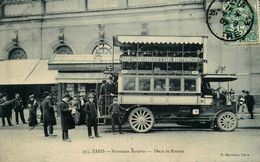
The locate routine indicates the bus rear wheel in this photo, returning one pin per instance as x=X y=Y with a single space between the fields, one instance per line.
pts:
x=227 y=121
x=141 y=119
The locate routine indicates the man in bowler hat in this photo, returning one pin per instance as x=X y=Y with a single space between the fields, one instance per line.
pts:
x=250 y=102
x=18 y=108
x=48 y=114
x=66 y=117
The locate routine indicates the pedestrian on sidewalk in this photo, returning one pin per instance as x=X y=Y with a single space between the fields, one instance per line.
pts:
x=242 y=105
x=91 y=116
x=18 y=108
x=66 y=117
x=115 y=110
x=81 y=109
x=74 y=104
x=5 y=109
x=32 y=105
x=250 y=102
x=48 y=115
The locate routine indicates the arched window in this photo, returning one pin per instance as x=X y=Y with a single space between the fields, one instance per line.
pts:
x=63 y=50
x=102 y=49
x=17 y=53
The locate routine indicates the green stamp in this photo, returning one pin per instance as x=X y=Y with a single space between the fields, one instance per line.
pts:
x=253 y=36
x=234 y=20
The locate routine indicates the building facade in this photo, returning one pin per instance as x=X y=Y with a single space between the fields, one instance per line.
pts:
x=39 y=29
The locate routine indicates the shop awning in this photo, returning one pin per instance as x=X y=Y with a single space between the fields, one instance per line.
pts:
x=84 y=62
x=128 y=39
x=219 y=77
x=41 y=74
x=67 y=77
x=20 y=72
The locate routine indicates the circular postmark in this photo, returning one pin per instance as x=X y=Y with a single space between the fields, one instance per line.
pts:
x=230 y=20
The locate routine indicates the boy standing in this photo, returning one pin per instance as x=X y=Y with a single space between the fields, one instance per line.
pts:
x=115 y=109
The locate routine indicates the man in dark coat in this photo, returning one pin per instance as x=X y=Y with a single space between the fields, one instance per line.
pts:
x=81 y=109
x=18 y=108
x=250 y=102
x=66 y=117
x=91 y=116
x=107 y=92
x=115 y=110
x=32 y=105
x=48 y=115
x=5 y=109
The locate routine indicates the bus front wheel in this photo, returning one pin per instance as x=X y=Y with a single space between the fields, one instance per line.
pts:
x=227 y=121
x=141 y=119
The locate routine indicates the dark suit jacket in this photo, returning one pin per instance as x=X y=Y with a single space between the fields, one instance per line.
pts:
x=91 y=110
x=250 y=101
x=115 y=109
x=67 y=121
x=18 y=106
x=48 y=112
x=107 y=88
x=5 y=107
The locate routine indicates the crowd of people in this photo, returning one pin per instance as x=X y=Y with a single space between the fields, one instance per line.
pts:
x=77 y=110
x=7 y=106
x=74 y=110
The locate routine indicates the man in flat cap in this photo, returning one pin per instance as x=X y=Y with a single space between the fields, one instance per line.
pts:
x=48 y=115
x=66 y=117
x=18 y=109
x=91 y=116
x=115 y=110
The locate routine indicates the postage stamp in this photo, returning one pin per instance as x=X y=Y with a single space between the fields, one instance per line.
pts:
x=234 y=20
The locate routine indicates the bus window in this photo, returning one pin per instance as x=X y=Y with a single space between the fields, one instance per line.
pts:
x=174 y=84
x=159 y=84
x=144 y=66
x=159 y=66
x=129 y=65
x=129 y=84
x=175 y=66
x=190 y=66
x=190 y=85
x=144 y=84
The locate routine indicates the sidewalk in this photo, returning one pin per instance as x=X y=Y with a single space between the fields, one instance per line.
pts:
x=248 y=123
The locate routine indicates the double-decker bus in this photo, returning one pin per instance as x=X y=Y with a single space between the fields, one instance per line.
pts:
x=164 y=79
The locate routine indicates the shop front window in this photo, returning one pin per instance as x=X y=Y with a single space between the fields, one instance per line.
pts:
x=129 y=84
x=159 y=84
x=174 y=84
x=144 y=84
x=190 y=85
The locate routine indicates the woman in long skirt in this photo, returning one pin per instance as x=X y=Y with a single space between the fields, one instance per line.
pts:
x=32 y=105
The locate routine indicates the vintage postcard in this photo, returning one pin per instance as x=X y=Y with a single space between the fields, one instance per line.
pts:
x=129 y=81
